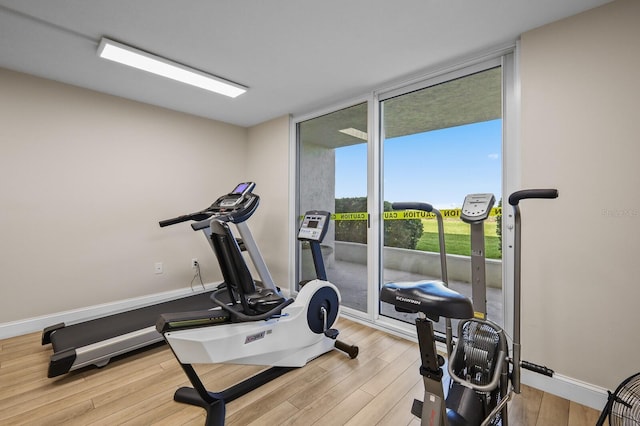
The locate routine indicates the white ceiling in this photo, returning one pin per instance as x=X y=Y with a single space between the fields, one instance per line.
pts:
x=294 y=55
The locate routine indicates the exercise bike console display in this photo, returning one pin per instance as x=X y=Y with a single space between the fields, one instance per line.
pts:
x=314 y=226
x=476 y=207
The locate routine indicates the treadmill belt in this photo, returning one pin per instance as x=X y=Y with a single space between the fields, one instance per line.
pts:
x=100 y=329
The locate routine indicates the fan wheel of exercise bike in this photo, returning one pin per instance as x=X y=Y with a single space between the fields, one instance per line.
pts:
x=480 y=343
x=623 y=406
x=326 y=298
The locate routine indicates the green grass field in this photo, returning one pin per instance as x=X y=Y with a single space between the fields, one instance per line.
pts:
x=457 y=237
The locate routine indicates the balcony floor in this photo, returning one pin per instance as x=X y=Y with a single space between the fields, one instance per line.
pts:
x=351 y=280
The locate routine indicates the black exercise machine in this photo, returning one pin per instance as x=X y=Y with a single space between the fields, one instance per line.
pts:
x=479 y=365
x=96 y=341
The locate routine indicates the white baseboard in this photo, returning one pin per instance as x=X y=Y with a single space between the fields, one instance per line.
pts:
x=568 y=388
x=31 y=325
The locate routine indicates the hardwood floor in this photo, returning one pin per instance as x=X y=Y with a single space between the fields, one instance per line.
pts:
x=377 y=388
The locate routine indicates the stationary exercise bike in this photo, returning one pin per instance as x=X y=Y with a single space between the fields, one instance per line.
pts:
x=479 y=365
x=254 y=324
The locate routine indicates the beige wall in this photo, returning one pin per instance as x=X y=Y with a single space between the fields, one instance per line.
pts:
x=268 y=165
x=84 y=180
x=580 y=133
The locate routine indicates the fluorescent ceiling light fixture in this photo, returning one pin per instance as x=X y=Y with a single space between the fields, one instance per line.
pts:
x=355 y=133
x=127 y=55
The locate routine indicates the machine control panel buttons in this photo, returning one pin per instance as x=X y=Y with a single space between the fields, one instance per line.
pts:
x=314 y=226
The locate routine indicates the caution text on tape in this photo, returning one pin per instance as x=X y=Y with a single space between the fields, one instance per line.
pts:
x=407 y=214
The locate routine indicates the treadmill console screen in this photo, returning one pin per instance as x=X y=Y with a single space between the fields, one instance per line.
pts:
x=237 y=195
x=243 y=188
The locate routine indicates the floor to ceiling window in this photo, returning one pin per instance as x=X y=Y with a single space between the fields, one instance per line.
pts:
x=332 y=164
x=440 y=143
x=433 y=141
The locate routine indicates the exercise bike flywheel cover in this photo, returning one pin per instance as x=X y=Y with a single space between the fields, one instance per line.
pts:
x=327 y=298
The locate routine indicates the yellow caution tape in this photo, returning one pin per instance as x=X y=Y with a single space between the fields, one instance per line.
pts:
x=407 y=214
x=350 y=216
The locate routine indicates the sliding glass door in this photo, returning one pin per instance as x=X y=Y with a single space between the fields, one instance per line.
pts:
x=432 y=141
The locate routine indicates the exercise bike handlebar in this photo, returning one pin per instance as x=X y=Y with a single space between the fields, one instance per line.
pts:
x=514 y=199
x=426 y=207
x=409 y=205
x=524 y=194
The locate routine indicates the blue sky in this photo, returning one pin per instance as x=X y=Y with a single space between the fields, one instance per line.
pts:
x=438 y=167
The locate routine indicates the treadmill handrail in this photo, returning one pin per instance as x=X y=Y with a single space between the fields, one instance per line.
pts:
x=234 y=216
x=199 y=216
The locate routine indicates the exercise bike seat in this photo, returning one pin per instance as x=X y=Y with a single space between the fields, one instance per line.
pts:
x=432 y=298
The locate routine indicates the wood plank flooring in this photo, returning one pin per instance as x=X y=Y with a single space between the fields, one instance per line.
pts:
x=377 y=388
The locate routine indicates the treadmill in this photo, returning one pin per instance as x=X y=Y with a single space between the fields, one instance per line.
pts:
x=96 y=341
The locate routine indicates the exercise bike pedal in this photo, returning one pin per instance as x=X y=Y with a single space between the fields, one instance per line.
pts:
x=332 y=333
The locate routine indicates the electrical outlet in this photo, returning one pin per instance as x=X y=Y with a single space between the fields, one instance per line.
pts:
x=158 y=267
x=194 y=263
